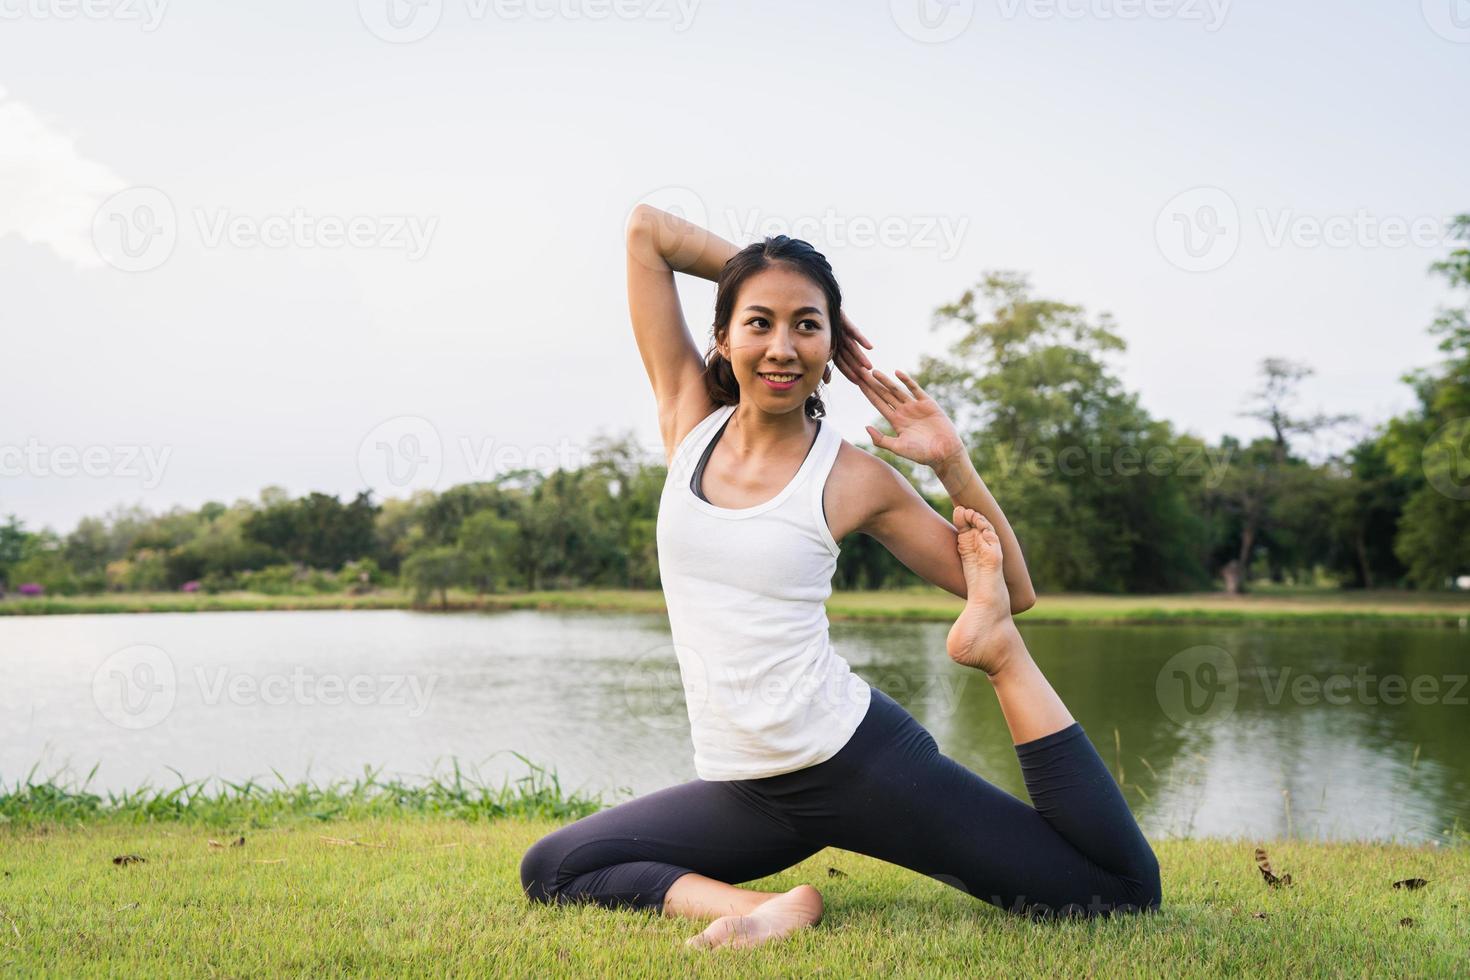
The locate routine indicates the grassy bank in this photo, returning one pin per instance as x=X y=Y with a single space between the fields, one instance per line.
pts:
x=1293 y=607
x=380 y=877
x=426 y=895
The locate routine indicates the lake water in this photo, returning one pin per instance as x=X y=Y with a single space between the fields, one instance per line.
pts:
x=1339 y=733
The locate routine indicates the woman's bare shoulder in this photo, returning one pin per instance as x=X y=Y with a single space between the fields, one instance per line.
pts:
x=862 y=466
x=860 y=486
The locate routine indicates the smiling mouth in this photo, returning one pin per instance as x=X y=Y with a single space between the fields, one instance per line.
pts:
x=779 y=378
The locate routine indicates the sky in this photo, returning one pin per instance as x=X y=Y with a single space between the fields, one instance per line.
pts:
x=379 y=245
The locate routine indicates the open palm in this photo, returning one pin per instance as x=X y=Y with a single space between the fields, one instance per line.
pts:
x=922 y=432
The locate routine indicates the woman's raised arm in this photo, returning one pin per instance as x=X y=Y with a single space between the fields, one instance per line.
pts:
x=660 y=244
x=924 y=433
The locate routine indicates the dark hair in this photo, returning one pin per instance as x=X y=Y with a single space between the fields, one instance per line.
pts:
x=719 y=374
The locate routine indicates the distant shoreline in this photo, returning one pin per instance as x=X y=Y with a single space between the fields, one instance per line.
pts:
x=1275 y=608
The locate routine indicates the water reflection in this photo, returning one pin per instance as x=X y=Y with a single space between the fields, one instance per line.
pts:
x=1310 y=744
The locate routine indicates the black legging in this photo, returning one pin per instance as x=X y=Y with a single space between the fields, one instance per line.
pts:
x=888 y=793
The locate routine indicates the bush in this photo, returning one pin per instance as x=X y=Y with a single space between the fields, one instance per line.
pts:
x=47 y=570
x=361 y=577
x=288 y=580
x=92 y=583
x=145 y=571
x=217 y=582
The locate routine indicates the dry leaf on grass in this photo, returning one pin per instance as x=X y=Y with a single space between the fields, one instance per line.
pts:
x=343 y=842
x=237 y=842
x=1264 y=863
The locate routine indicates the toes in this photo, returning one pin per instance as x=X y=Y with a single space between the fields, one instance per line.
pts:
x=712 y=936
x=974 y=526
x=969 y=517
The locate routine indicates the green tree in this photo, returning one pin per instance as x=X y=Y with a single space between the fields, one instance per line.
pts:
x=1098 y=492
x=441 y=517
x=1431 y=446
x=1268 y=490
x=398 y=529
x=13 y=539
x=436 y=569
x=1366 y=515
x=487 y=544
x=88 y=549
x=627 y=504
x=317 y=530
x=43 y=561
x=220 y=549
x=564 y=541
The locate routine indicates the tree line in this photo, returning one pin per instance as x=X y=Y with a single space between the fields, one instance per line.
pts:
x=1104 y=497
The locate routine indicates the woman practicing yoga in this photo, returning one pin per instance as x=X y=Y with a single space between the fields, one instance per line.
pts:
x=793 y=751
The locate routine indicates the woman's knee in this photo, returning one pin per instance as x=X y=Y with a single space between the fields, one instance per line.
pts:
x=1139 y=891
x=541 y=869
x=1148 y=887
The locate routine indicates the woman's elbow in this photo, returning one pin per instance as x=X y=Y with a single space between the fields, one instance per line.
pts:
x=638 y=230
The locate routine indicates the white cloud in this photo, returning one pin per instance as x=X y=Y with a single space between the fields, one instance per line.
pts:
x=48 y=191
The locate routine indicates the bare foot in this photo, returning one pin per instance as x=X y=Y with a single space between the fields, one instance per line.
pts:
x=775 y=918
x=985 y=636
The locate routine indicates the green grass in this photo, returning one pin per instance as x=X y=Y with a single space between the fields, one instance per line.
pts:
x=379 y=877
x=1308 y=607
x=424 y=895
x=255 y=804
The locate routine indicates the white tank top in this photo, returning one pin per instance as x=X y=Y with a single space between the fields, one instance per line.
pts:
x=746 y=590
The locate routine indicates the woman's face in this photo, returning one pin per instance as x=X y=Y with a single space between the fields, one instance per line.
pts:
x=779 y=327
